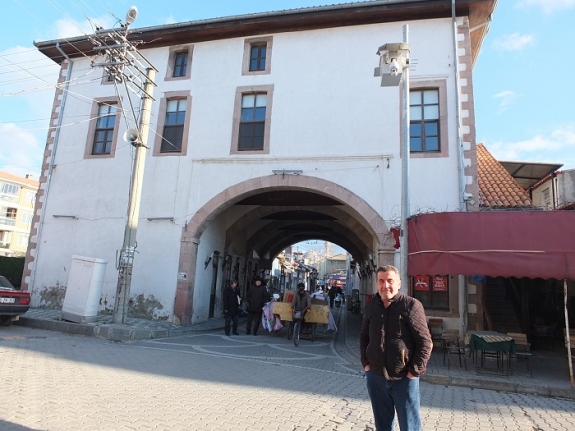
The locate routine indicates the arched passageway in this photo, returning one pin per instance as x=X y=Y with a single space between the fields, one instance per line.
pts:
x=255 y=220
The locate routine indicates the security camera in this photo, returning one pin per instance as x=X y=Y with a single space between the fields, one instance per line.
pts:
x=394 y=67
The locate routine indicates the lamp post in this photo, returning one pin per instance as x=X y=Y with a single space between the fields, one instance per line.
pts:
x=394 y=69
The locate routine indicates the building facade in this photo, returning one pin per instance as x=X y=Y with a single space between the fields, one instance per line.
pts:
x=266 y=130
x=17 y=197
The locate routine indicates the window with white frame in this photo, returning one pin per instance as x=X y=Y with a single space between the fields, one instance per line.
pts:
x=22 y=240
x=27 y=217
x=30 y=196
x=257 y=56
x=10 y=189
x=424 y=120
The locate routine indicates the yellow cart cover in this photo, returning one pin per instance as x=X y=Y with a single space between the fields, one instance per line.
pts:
x=318 y=313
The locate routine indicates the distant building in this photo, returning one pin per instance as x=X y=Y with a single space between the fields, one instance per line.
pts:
x=17 y=197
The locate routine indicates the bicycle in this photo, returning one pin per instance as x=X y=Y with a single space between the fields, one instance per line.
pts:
x=300 y=326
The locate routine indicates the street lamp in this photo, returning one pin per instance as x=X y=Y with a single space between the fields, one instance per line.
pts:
x=393 y=69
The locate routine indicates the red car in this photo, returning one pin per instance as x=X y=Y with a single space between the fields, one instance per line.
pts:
x=13 y=302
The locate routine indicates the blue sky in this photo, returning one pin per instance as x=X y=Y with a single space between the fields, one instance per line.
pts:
x=522 y=78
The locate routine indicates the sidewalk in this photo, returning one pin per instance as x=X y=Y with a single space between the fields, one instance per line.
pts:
x=550 y=369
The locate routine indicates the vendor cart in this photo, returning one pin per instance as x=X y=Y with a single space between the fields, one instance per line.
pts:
x=318 y=314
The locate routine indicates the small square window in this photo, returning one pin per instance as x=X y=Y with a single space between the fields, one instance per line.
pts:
x=257 y=56
x=180 y=64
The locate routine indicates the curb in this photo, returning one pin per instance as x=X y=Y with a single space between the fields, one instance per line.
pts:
x=109 y=332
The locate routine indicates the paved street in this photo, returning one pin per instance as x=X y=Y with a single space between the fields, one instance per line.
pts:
x=54 y=381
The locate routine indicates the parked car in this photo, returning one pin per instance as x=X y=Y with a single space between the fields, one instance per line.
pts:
x=13 y=302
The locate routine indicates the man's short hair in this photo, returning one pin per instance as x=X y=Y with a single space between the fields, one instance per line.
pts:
x=301 y=285
x=387 y=268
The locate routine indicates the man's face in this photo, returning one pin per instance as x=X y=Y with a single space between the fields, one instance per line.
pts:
x=258 y=283
x=234 y=284
x=388 y=284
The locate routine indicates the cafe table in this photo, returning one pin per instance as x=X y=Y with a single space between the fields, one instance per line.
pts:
x=487 y=342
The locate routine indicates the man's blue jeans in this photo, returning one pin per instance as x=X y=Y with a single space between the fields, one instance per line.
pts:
x=389 y=396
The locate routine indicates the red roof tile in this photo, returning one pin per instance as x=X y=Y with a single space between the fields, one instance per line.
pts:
x=497 y=188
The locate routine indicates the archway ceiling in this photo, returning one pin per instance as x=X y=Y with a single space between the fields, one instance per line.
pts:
x=286 y=217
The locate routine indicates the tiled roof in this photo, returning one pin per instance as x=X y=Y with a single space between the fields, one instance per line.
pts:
x=6 y=176
x=497 y=188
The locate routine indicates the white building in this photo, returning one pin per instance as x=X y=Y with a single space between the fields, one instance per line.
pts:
x=266 y=130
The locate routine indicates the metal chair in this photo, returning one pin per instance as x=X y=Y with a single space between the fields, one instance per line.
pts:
x=453 y=345
x=435 y=328
x=522 y=349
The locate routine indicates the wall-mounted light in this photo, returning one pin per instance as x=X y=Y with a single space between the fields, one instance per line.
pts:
x=65 y=216
x=160 y=218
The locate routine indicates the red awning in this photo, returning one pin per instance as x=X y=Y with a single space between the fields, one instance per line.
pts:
x=532 y=244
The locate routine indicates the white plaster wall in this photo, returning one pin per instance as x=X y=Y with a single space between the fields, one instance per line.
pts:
x=340 y=126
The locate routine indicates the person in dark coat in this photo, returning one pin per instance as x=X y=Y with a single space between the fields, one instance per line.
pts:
x=331 y=293
x=256 y=297
x=232 y=307
x=395 y=346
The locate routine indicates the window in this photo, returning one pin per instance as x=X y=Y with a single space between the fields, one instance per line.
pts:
x=428 y=119
x=179 y=63
x=432 y=291
x=105 y=125
x=173 y=124
x=257 y=56
x=252 y=118
x=103 y=130
x=10 y=189
x=27 y=217
x=30 y=196
x=253 y=121
x=547 y=198
x=22 y=240
x=424 y=120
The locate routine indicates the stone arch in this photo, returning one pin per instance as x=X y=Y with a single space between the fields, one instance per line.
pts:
x=361 y=214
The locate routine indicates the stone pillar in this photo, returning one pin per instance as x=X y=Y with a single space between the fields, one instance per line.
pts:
x=184 y=301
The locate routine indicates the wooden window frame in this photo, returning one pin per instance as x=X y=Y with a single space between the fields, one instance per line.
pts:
x=248 y=43
x=171 y=95
x=92 y=127
x=174 y=51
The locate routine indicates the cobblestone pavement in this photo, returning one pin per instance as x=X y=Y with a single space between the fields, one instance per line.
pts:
x=59 y=382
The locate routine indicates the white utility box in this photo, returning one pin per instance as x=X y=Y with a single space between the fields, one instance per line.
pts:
x=84 y=288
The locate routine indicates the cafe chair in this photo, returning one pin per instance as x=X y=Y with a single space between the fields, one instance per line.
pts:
x=453 y=345
x=522 y=349
x=435 y=328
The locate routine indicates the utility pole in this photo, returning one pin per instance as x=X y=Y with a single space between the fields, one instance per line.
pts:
x=126 y=262
x=125 y=65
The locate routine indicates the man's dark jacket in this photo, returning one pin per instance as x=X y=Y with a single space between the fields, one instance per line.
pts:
x=406 y=346
x=231 y=296
x=257 y=297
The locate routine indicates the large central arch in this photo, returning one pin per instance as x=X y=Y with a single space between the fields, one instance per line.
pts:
x=352 y=222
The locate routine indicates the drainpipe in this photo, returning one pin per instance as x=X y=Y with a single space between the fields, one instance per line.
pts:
x=553 y=186
x=51 y=164
x=460 y=164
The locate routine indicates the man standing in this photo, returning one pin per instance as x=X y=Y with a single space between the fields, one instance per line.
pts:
x=256 y=297
x=232 y=307
x=395 y=345
x=331 y=293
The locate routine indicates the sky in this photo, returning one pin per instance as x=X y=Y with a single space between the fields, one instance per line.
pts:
x=522 y=78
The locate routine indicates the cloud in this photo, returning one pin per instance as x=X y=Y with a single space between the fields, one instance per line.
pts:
x=67 y=27
x=514 y=42
x=506 y=99
x=20 y=151
x=556 y=147
x=548 y=6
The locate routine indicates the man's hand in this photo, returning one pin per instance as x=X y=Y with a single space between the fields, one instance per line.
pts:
x=367 y=368
x=410 y=376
